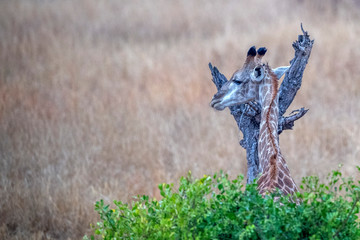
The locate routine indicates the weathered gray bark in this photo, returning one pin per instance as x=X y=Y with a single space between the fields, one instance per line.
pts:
x=247 y=116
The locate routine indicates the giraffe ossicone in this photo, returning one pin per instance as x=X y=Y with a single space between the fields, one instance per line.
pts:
x=256 y=81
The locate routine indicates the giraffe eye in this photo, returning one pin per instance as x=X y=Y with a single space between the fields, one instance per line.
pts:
x=237 y=82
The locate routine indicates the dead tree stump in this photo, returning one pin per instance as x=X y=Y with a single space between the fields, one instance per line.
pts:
x=248 y=117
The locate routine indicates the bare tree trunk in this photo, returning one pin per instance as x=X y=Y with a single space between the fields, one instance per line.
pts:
x=247 y=116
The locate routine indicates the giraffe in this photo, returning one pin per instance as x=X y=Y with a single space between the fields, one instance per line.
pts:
x=256 y=81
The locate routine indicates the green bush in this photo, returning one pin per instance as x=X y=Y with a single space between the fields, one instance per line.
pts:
x=218 y=208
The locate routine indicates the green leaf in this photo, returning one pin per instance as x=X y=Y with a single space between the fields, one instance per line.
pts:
x=216 y=207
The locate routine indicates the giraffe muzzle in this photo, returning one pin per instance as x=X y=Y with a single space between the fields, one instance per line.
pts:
x=215 y=103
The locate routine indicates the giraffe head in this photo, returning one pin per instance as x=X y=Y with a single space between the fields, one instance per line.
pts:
x=244 y=84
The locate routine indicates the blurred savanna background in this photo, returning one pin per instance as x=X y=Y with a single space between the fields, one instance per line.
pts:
x=107 y=99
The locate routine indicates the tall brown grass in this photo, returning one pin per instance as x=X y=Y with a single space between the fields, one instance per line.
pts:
x=107 y=99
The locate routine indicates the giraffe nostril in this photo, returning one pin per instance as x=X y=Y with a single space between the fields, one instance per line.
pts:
x=215 y=103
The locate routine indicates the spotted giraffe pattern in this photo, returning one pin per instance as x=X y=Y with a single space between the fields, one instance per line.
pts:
x=256 y=81
x=274 y=170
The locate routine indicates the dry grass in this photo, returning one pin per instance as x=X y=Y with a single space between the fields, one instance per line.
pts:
x=106 y=99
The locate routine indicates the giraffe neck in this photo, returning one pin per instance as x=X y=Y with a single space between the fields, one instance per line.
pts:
x=268 y=147
x=273 y=168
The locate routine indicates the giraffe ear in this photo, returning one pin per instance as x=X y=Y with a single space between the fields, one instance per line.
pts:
x=257 y=74
x=280 y=71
